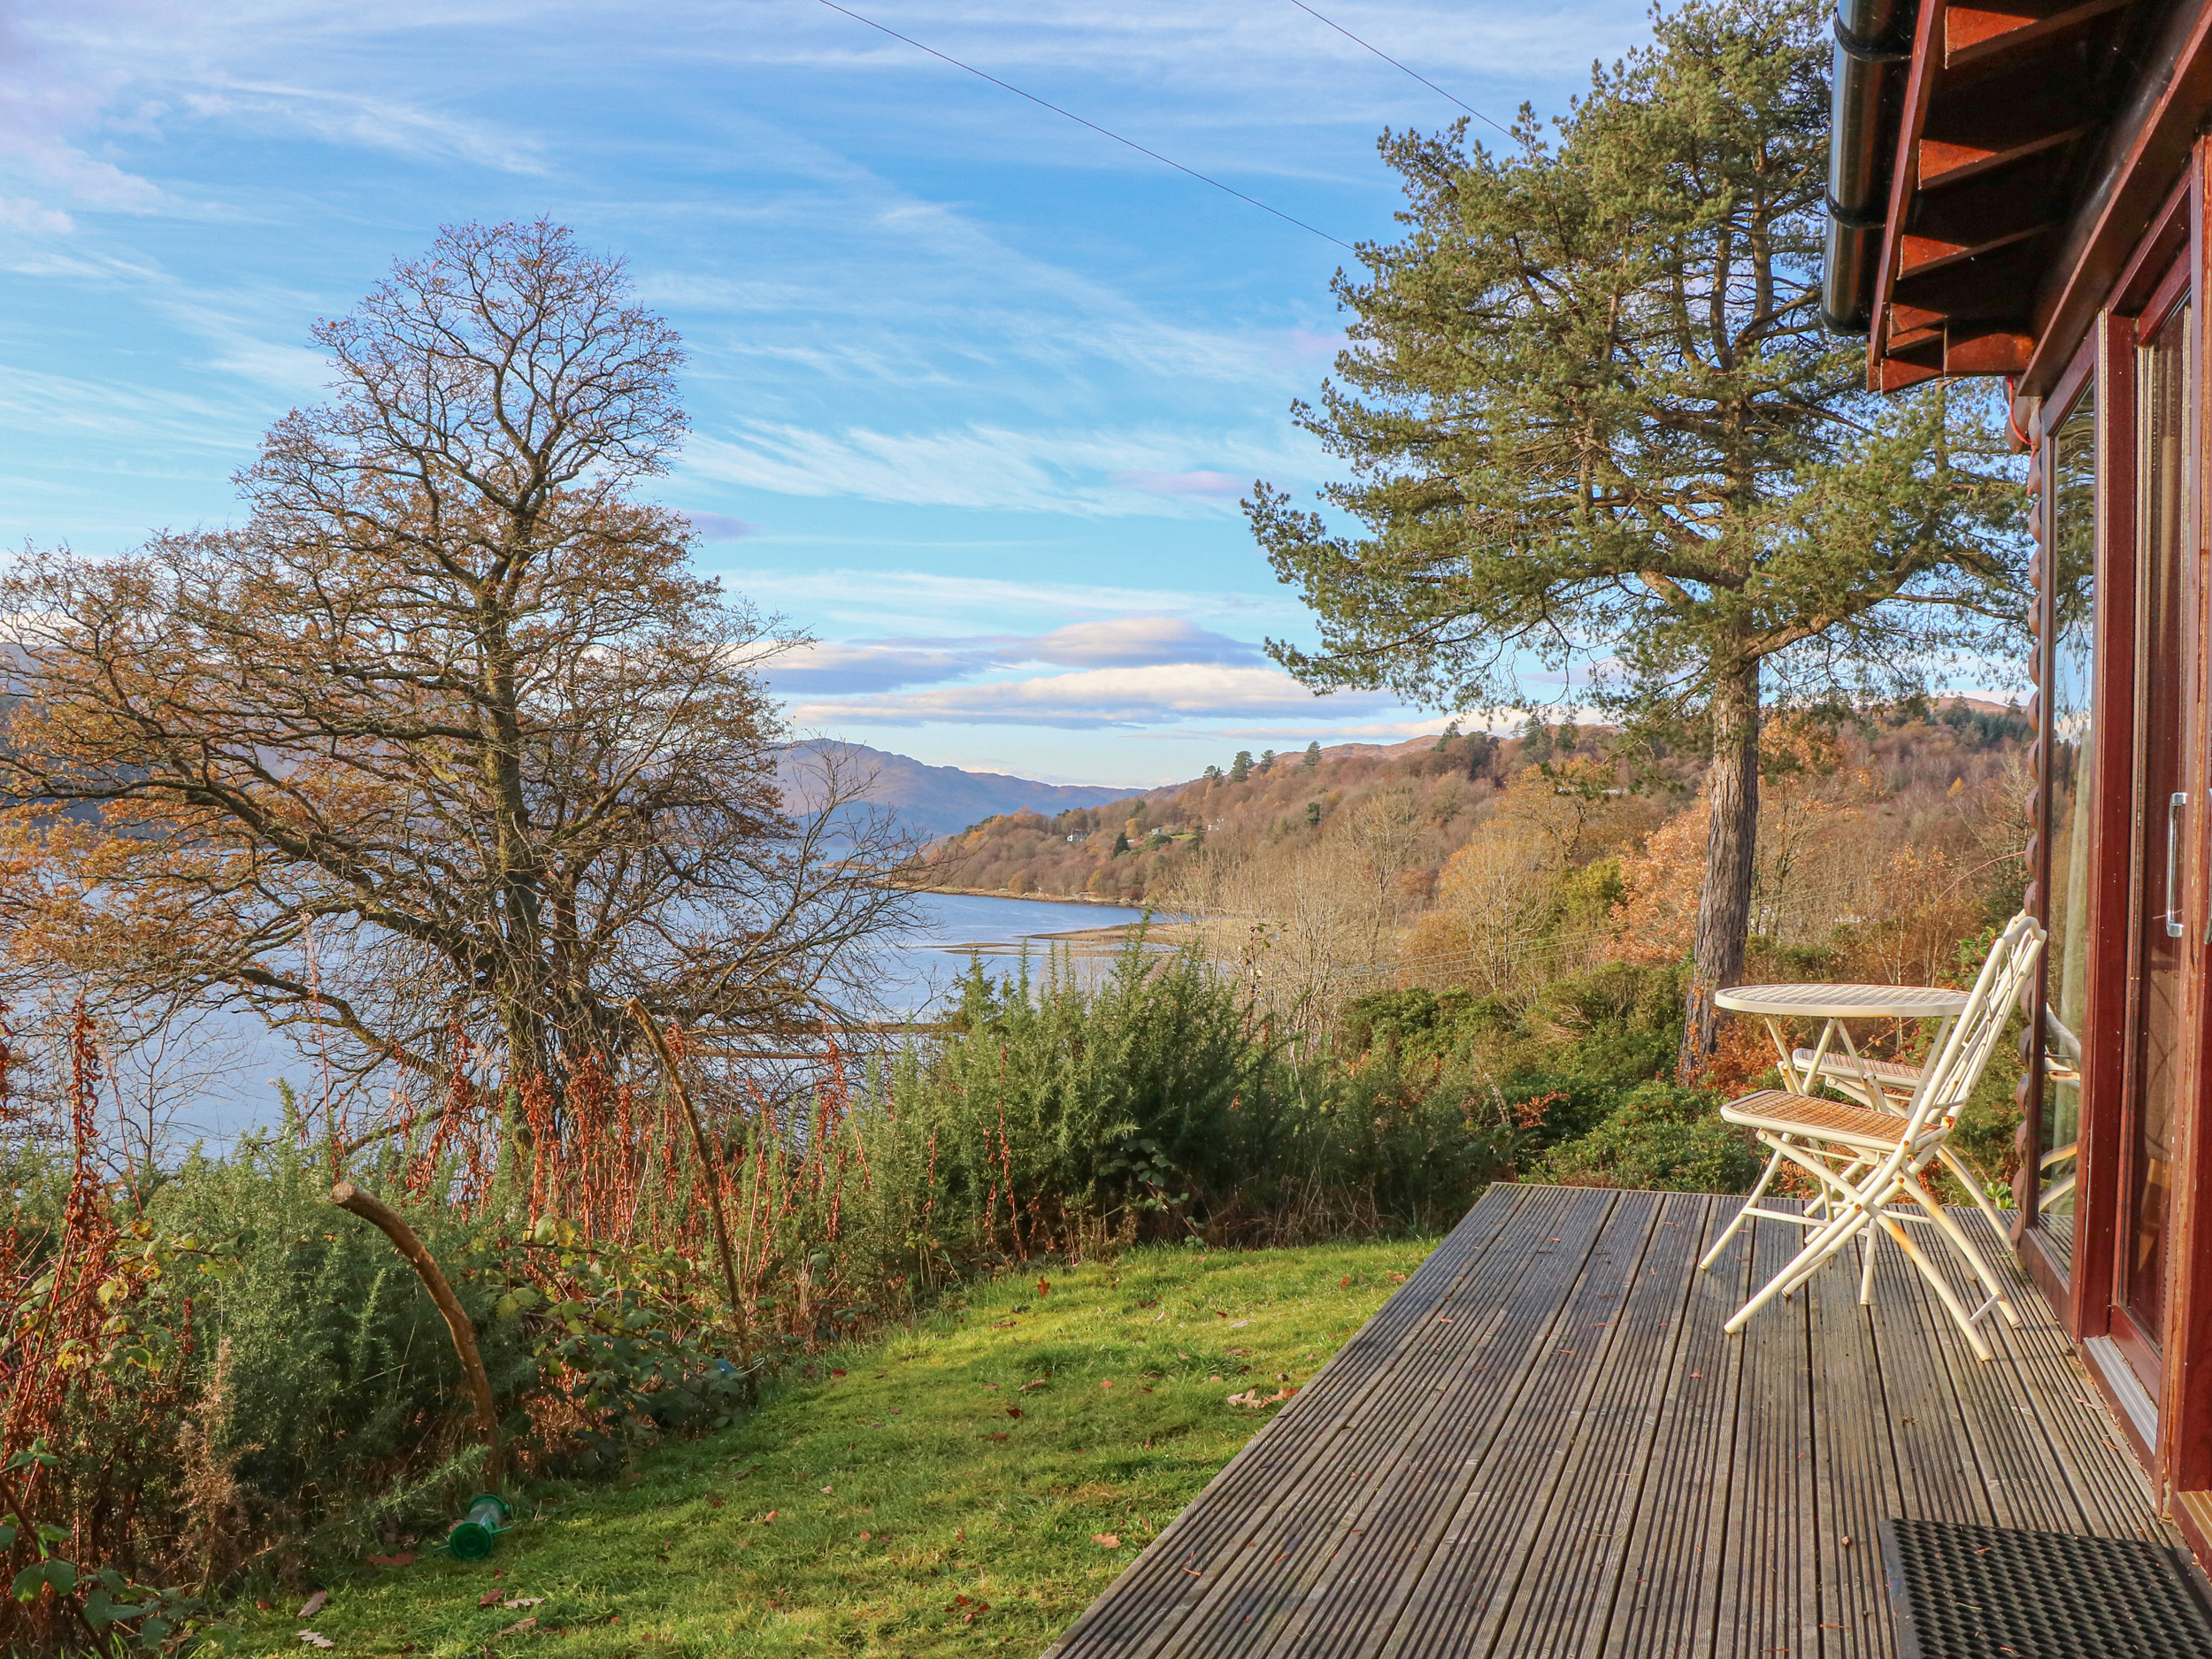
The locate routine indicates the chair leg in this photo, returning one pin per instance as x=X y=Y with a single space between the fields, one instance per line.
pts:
x=1981 y=1200
x=1872 y=1237
x=1743 y=1214
x=1795 y=1277
x=1817 y=1250
x=1964 y=1246
x=1945 y=1294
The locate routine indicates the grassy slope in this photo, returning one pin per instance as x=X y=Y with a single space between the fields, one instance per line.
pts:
x=908 y=1483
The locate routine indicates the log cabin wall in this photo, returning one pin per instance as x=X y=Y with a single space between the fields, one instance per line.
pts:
x=2043 y=186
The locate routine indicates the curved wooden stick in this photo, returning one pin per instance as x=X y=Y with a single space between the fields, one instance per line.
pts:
x=347 y=1196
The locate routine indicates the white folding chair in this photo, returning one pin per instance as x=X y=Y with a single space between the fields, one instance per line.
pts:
x=1869 y=1163
x=1889 y=1084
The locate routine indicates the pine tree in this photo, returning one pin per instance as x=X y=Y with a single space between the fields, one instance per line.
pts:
x=1591 y=422
x=1313 y=753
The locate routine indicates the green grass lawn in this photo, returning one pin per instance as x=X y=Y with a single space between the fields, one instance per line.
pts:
x=964 y=1485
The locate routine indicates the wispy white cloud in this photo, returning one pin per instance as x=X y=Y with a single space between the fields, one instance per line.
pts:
x=1086 y=472
x=1090 y=698
x=21 y=213
x=894 y=601
x=391 y=124
x=911 y=302
x=1201 y=486
x=883 y=666
x=34 y=401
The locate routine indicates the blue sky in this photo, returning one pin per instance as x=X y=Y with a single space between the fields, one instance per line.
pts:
x=974 y=390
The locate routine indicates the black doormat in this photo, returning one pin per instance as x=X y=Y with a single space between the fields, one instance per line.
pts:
x=1987 y=1592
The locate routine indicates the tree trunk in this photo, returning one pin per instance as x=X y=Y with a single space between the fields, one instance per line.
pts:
x=1724 y=908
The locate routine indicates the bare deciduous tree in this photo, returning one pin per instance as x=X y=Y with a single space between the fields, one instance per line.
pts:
x=447 y=737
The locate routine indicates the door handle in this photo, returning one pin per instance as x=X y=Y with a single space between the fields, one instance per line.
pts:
x=2173 y=862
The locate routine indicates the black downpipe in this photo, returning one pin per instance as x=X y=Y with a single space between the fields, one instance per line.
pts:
x=1870 y=50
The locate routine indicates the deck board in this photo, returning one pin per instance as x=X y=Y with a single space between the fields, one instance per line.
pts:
x=1578 y=1543
x=1544 y=1447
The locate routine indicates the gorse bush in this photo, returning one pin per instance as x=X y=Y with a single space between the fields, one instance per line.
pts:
x=1059 y=1114
x=1060 y=1108
x=1657 y=1137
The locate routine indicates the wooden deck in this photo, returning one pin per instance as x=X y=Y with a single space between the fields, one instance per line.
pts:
x=1544 y=1445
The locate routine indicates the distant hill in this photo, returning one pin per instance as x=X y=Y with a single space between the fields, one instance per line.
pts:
x=945 y=800
x=1118 y=845
x=1127 y=844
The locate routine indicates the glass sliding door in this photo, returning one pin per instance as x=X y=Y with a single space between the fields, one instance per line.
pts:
x=2072 y=763
x=2152 y=1105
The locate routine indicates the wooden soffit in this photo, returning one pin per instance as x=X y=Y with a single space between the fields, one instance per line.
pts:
x=2036 y=141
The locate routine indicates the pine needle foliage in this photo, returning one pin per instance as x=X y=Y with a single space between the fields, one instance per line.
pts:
x=1591 y=425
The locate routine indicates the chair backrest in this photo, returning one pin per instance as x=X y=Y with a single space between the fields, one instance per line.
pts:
x=1950 y=1077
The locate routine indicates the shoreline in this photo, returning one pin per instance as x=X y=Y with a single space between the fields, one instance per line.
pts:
x=1016 y=898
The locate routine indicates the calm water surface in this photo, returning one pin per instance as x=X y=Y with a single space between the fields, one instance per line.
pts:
x=916 y=970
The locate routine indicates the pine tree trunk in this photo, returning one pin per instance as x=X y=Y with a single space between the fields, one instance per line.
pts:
x=1724 y=908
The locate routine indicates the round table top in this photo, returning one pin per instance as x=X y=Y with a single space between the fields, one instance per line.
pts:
x=1844 y=1002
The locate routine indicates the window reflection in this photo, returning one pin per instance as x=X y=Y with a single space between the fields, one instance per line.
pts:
x=2073 y=559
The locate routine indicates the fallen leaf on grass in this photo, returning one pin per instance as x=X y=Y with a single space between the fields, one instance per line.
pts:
x=490 y=1598
x=829 y=1488
x=520 y=1627
x=837 y=1370
x=1106 y=1541
x=1000 y=1325
x=1400 y=1277
x=999 y=1436
x=1013 y=1411
x=1257 y=1400
x=525 y=1601
x=1106 y=1385
x=1041 y=1382
x=1238 y=1325
x=315 y=1604
x=767 y=1517
x=714 y=1500
x=316 y=1639
x=1344 y=1281
x=1044 y=1288
x=405 y=1558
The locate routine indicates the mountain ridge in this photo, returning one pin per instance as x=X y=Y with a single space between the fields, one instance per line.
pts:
x=945 y=800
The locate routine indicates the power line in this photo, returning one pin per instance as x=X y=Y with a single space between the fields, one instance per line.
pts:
x=1394 y=64
x=1094 y=126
